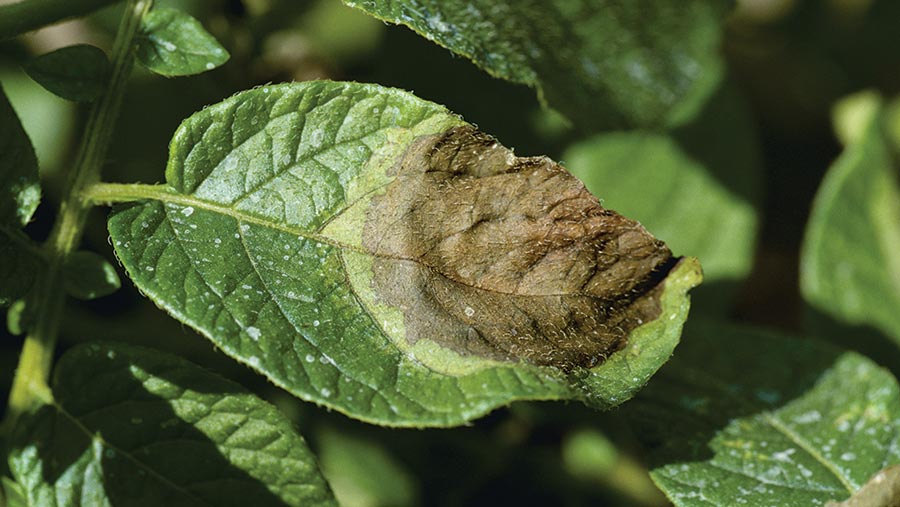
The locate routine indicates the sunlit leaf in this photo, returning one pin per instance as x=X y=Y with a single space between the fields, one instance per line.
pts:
x=772 y=420
x=173 y=43
x=369 y=251
x=601 y=63
x=130 y=426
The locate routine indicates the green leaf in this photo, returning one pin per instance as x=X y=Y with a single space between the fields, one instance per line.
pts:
x=89 y=276
x=850 y=265
x=601 y=63
x=130 y=426
x=362 y=473
x=697 y=197
x=17 y=318
x=20 y=189
x=19 y=263
x=173 y=43
x=12 y=494
x=77 y=73
x=882 y=490
x=772 y=420
x=275 y=239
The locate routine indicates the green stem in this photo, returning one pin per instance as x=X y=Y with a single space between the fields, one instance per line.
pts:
x=108 y=193
x=26 y=15
x=48 y=297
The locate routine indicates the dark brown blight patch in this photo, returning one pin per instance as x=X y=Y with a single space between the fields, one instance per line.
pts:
x=509 y=258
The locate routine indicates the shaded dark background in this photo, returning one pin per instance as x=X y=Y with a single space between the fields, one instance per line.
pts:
x=792 y=59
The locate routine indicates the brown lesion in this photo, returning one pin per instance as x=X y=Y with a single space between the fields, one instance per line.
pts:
x=509 y=258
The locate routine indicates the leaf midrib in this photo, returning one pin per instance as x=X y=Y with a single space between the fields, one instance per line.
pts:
x=166 y=195
x=776 y=423
x=91 y=436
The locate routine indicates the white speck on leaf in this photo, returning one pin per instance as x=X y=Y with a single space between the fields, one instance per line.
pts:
x=254 y=333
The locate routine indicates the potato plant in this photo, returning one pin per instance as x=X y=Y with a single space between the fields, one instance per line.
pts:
x=654 y=300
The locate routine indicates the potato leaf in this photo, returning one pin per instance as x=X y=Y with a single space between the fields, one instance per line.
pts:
x=20 y=189
x=77 y=73
x=89 y=276
x=369 y=251
x=744 y=429
x=173 y=43
x=850 y=267
x=18 y=265
x=20 y=193
x=599 y=62
x=130 y=426
x=882 y=490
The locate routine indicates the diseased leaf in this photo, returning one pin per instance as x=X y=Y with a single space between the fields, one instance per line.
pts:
x=77 y=73
x=89 y=276
x=747 y=429
x=506 y=258
x=173 y=43
x=882 y=490
x=369 y=251
x=697 y=197
x=602 y=63
x=850 y=267
x=130 y=426
x=20 y=189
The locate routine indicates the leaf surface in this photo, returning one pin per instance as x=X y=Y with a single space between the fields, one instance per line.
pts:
x=89 y=276
x=20 y=189
x=77 y=73
x=850 y=265
x=173 y=43
x=12 y=493
x=19 y=263
x=20 y=193
x=367 y=250
x=601 y=63
x=773 y=420
x=130 y=426
x=882 y=490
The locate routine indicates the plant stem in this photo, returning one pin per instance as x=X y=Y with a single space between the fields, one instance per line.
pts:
x=108 y=193
x=48 y=297
x=26 y=15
